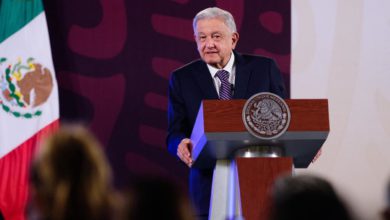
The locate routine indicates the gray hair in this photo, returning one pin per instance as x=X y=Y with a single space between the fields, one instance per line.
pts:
x=214 y=12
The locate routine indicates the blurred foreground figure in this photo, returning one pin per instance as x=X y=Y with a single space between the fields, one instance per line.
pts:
x=156 y=198
x=306 y=197
x=71 y=178
x=386 y=212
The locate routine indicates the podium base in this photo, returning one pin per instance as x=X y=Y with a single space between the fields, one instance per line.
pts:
x=225 y=199
x=240 y=188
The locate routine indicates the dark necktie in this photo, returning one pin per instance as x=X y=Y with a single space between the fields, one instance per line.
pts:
x=225 y=91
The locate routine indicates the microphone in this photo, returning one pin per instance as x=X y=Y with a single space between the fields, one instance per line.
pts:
x=232 y=88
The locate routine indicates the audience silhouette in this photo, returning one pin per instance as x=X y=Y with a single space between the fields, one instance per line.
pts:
x=71 y=178
x=305 y=197
x=386 y=211
x=156 y=198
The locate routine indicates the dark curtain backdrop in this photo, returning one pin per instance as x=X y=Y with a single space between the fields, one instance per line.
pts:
x=113 y=59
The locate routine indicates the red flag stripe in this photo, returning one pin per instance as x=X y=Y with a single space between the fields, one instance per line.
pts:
x=14 y=173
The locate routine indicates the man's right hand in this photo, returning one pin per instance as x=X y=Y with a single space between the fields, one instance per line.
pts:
x=184 y=151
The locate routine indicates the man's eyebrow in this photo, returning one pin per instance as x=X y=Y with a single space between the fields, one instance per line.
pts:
x=212 y=33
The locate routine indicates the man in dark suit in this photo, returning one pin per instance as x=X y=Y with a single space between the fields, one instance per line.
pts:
x=221 y=73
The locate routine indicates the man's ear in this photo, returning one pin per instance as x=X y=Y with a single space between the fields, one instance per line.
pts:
x=235 y=37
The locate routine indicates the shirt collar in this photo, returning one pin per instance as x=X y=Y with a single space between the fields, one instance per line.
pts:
x=228 y=67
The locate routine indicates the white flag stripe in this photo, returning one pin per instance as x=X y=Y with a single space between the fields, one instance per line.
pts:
x=31 y=41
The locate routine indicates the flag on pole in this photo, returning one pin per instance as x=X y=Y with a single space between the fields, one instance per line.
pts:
x=28 y=98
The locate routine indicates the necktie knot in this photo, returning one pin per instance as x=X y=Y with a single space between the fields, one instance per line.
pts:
x=225 y=91
x=223 y=75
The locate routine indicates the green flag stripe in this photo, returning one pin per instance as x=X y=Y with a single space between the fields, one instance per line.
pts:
x=15 y=14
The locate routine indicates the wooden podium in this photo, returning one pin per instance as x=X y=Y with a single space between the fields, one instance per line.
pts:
x=220 y=137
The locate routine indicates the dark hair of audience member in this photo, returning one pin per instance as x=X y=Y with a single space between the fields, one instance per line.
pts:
x=386 y=211
x=1 y=216
x=71 y=178
x=306 y=197
x=150 y=198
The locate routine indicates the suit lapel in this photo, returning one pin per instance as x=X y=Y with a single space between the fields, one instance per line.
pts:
x=205 y=81
x=242 y=77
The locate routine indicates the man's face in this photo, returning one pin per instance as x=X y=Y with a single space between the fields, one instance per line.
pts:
x=215 y=41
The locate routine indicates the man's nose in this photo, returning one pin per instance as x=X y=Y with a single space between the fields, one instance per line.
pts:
x=210 y=43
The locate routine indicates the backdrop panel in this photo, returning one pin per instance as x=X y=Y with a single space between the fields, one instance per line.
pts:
x=341 y=52
x=113 y=59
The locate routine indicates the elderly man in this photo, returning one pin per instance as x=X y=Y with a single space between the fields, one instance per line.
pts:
x=221 y=73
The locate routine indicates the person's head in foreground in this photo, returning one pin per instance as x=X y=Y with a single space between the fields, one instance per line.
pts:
x=71 y=178
x=306 y=197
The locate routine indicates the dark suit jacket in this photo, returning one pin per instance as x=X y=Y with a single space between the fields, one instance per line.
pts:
x=192 y=83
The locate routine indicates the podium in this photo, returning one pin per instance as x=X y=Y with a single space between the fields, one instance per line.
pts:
x=242 y=175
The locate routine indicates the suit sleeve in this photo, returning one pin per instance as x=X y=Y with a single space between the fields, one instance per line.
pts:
x=177 y=119
x=277 y=82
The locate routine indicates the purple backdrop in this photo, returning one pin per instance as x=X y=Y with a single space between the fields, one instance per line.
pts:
x=113 y=59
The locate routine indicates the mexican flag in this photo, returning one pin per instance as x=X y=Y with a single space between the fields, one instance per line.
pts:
x=28 y=98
